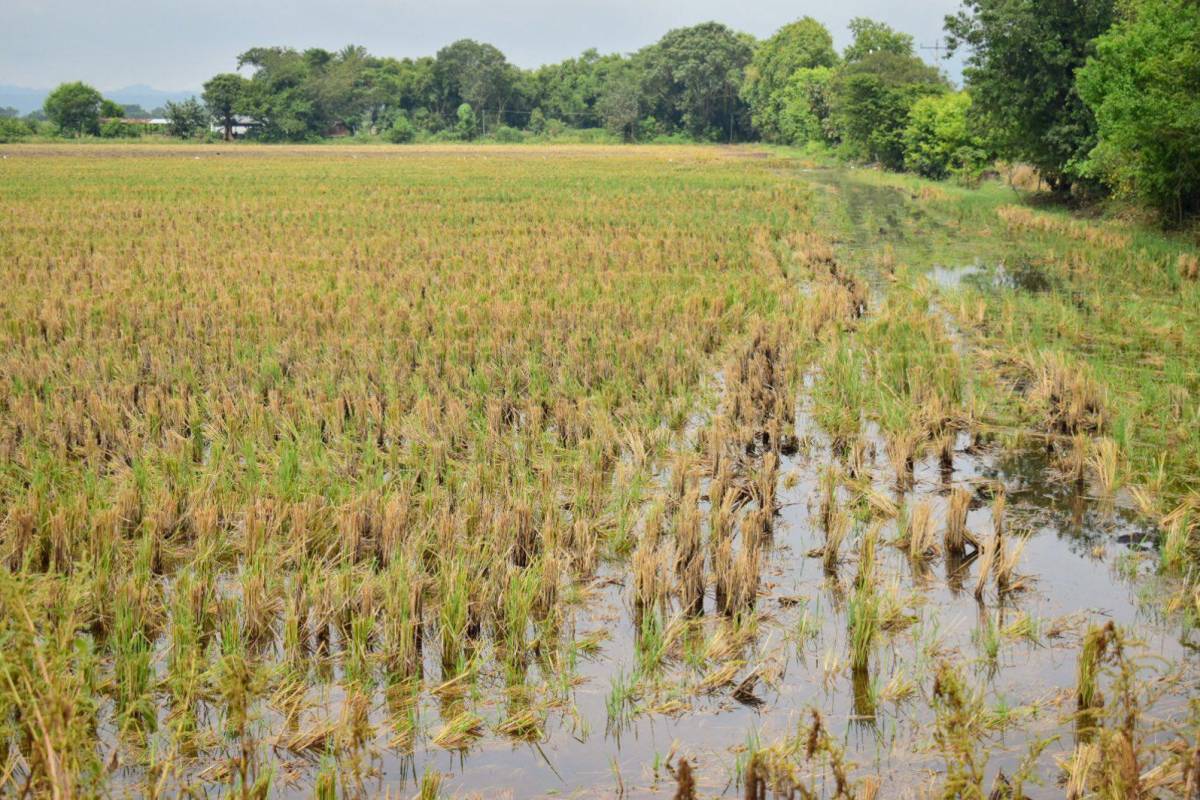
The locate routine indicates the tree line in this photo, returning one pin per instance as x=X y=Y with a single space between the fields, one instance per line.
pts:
x=1098 y=96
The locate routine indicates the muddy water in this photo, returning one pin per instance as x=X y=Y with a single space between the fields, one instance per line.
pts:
x=1087 y=559
x=1073 y=542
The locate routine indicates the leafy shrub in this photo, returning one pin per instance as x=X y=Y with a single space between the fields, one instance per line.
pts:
x=537 y=122
x=804 y=108
x=938 y=141
x=648 y=129
x=12 y=129
x=116 y=129
x=870 y=101
x=402 y=131
x=507 y=135
x=1143 y=85
x=187 y=119
x=465 y=127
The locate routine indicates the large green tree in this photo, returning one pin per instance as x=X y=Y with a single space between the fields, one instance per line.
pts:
x=803 y=44
x=1023 y=55
x=187 y=119
x=338 y=87
x=619 y=104
x=74 y=108
x=476 y=73
x=277 y=96
x=571 y=89
x=296 y=95
x=692 y=79
x=804 y=114
x=224 y=95
x=1143 y=85
x=872 y=36
x=871 y=99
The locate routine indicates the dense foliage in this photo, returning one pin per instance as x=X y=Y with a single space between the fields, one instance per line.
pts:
x=871 y=37
x=938 y=141
x=187 y=118
x=802 y=45
x=1023 y=55
x=804 y=107
x=75 y=108
x=223 y=96
x=692 y=78
x=872 y=98
x=1144 y=86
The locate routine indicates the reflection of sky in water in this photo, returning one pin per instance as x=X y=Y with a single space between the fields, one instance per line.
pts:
x=1067 y=580
x=1069 y=557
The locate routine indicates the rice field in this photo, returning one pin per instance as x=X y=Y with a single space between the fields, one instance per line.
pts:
x=583 y=471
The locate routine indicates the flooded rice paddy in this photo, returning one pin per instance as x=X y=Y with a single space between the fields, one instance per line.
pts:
x=399 y=504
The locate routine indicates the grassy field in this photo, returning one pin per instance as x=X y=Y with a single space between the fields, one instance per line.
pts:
x=516 y=471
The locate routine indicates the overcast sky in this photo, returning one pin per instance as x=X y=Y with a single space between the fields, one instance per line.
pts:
x=178 y=44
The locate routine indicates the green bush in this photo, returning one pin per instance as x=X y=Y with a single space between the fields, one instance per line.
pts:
x=648 y=129
x=1143 y=85
x=402 y=131
x=465 y=127
x=116 y=129
x=12 y=129
x=506 y=135
x=187 y=119
x=870 y=100
x=804 y=108
x=537 y=122
x=938 y=141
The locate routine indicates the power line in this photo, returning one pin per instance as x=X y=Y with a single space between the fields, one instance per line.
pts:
x=937 y=48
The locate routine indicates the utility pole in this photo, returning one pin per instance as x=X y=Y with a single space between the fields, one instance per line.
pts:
x=936 y=47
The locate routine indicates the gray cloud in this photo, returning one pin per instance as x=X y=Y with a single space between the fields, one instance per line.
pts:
x=173 y=44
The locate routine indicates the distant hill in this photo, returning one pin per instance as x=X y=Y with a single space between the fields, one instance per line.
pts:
x=22 y=99
x=25 y=99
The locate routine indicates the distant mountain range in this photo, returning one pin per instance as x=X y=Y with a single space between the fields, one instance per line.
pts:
x=25 y=99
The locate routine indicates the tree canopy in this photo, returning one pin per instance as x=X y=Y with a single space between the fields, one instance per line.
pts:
x=111 y=110
x=74 y=108
x=224 y=96
x=472 y=72
x=619 y=104
x=1023 y=55
x=871 y=37
x=295 y=95
x=1143 y=84
x=803 y=44
x=871 y=100
x=692 y=78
